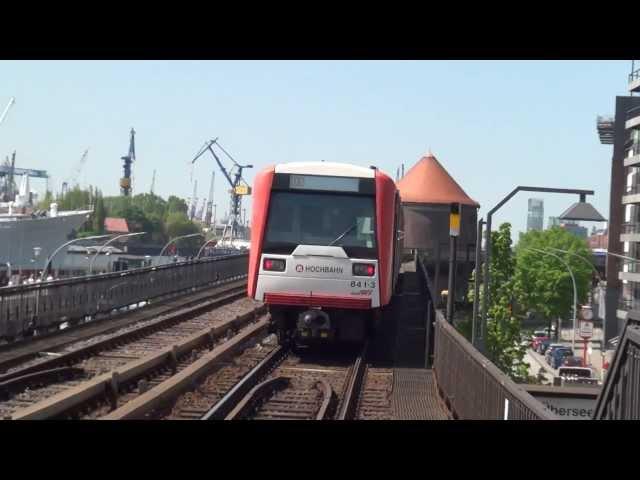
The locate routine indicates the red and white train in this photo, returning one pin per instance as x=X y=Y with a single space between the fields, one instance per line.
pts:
x=325 y=248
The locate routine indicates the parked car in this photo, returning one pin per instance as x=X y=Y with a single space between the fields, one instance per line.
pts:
x=573 y=362
x=577 y=375
x=558 y=356
x=542 y=346
x=549 y=350
x=537 y=337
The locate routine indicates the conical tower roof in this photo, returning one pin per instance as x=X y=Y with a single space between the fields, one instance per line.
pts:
x=428 y=182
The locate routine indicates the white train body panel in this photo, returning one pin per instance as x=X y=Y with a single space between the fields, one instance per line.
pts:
x=307 y=273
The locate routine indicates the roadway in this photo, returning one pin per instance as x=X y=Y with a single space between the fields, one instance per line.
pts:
x=594 y=358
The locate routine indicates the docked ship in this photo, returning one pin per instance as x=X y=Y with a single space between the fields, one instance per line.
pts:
x=29 y=236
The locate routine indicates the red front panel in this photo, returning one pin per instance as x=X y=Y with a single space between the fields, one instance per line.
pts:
x=385 y=211
x=327 y=301
x=259 y=210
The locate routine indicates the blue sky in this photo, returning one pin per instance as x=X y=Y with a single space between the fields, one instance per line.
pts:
x=492 y=124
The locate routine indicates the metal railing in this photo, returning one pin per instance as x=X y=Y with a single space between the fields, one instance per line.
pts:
x=630 y=228
x=634 y=75
x=620 y=395
x=473 y=387
x=43 y=306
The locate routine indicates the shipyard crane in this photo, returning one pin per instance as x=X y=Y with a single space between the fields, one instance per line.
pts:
x=200 y=211
x=75 y=175
x=153 y=182
x=194 y=201
x=125 y=181
x=207 y=218
x=238 y=186
x=6 y=109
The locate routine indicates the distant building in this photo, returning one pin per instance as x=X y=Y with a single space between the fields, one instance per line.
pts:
x=535 y=216
x=553 y=222
x=575 y=228
x=598 y=239
x=115 y=225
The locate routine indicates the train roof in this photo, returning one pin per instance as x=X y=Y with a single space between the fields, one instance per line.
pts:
x=428 y=182
x=326 y=168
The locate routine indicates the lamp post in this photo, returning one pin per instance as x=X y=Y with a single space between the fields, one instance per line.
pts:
x=203 y=246
x=125 y=235
x=179 y=238
x=8 y=272
x=575 y=291
x=49 y=260
x=476 y=333
x=578 y=211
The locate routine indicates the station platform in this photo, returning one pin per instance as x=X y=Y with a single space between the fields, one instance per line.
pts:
x=415 y=396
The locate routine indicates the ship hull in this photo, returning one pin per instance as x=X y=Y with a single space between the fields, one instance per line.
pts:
x=19 y=238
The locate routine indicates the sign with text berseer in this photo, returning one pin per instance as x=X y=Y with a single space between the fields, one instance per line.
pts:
x=569 y=408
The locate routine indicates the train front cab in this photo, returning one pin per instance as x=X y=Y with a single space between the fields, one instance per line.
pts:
x=323 y=253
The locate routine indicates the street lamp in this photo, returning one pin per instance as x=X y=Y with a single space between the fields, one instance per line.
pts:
x=179 y=238
x=575 y=291
x=204 y=245
x=49 y=260
x=125 y=235
x=578 y=211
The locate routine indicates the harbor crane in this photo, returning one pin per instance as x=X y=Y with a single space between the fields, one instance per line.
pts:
x=73 y=180
x=125 y=181
x=6 y=109
x=207 y=218
x=238 y=186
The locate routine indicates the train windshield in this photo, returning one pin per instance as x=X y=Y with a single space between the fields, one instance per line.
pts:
x=304 y=218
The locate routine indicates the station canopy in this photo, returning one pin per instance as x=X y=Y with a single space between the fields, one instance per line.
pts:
x=428 y=182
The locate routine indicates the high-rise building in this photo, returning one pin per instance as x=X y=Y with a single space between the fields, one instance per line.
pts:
x=623 y=277
x=535 y=215
x=553 y=222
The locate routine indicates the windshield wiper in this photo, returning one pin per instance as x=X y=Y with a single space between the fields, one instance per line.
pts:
x=343 y=234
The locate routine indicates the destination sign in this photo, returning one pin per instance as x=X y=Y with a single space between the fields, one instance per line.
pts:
x=318 y=182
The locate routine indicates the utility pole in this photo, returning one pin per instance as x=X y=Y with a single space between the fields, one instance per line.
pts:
x=153 y=182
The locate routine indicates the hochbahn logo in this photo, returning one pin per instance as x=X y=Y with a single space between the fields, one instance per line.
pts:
x=318 y=269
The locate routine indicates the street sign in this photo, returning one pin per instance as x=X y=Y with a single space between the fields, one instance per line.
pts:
x=454 y=220
x=586 y=329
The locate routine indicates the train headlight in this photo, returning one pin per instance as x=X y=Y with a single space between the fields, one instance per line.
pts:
x=274 y=264
x=364 y=269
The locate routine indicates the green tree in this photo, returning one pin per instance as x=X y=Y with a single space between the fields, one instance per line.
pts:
x=503 y=327
x=542 y=282
x=99 y=214
x=46 y=202
x=502 y=340
x=175 y=204
x=178 y=224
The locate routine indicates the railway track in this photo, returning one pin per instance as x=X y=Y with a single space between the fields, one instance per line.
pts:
x=265 y=381
x=105 y=374
x=17 y=355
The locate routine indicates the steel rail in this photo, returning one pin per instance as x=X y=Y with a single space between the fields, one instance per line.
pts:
x=110 y=384
x=226 y=404
x=74 y=356
x=354 y=385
